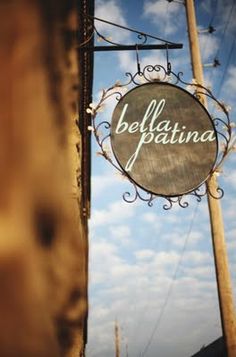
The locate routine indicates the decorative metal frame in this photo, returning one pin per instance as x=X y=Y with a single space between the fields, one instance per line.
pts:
x=158 y=73
x=141 y=41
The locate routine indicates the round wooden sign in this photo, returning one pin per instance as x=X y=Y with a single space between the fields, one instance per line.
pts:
x=164 y=139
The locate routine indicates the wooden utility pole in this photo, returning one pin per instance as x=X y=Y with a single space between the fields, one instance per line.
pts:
x=227 y=310
x=117 y=340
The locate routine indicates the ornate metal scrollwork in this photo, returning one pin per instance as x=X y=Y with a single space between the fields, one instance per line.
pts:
x=141 y=37
x=152 y=73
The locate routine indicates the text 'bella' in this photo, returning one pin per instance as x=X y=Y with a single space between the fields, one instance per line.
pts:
x=159 y=132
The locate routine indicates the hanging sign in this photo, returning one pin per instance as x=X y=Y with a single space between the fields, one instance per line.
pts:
x=163 y=139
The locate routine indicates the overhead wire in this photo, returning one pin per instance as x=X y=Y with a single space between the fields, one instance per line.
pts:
x=227 y=63
x=228 y=21
x=210 y=25
x=226 y=67
x=159 y=318
x=222 y=42
x=214 y=13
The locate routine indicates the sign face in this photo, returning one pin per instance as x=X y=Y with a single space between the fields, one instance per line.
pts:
x=164 y=139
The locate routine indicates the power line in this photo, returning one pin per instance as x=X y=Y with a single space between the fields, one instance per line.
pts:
x=226 y=26
x=225 y=29
x=216 y=61
x=171 y=284
x=210 y=28
x=214 y=13
x=226 y=67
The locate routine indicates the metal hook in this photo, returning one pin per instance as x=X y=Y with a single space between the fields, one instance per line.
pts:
x=137 y=59
x=167 y=61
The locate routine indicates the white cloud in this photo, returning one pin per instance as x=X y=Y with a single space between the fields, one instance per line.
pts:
x=102 y=183
x=231 y=179
x=230 y=83
x=102 y=254
x=120 y=233
x=117 y=212
x=195 y=237
x=155 y=9
x=134 y=293
x=208 y=46
x=112 y=12
x=150 y=217
x=127 y=61
x=151 y=220
x=178 y=239
x=201 y=272
x=232 y=234
x=160 y=11
x=231 y=241
x=145 y=254
x=164 y=259
x=196 y=257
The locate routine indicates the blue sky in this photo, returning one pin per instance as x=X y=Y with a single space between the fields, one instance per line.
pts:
x=152 y=270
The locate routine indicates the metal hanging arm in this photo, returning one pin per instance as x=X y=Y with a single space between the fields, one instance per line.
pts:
x=129 y=47
x=121 y=47
x=144 y=34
